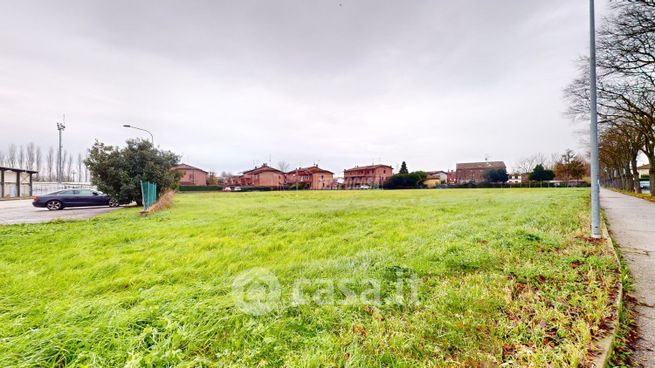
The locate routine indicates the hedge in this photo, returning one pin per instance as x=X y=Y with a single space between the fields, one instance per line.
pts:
x=199 y=188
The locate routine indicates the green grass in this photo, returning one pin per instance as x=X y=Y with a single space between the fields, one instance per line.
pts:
x=503 y=276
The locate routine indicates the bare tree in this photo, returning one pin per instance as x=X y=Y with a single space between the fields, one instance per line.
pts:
x=619 y=148
x=50 y=163
x=69 y=167
x=12 y=156
x=627 y=62
x=64 y=157
x=627 y=40
x=21 y=157
x=2 y=158
x=626 y=87
x=80 y=164
x=527 y=164
x=38 y=163
x=523 y=165
x=86 y=169
x=30 y=156
x=283 y=166
x=212 y=179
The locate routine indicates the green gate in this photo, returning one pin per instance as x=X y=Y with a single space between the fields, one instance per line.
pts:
x=148 y=193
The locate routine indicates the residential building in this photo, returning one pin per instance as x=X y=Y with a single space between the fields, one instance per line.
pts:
x=372 y=175
x=435 y=178
x=191 y=175
x=451 y=177
x=517 y=178
x=312 y=177
x=644 y=170
x=474 y=172
x=263 y=176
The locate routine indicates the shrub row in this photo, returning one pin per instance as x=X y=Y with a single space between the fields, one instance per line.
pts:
x=199 y=188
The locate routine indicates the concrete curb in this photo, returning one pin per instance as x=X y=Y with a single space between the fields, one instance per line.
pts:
x=606 y=344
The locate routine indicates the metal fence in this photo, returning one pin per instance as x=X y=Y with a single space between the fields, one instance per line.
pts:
x=45 y=187
x=149 y=194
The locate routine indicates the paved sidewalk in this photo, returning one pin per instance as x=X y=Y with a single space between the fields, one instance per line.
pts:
x=632 y=223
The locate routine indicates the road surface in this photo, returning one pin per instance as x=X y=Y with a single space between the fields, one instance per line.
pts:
x=22 y=212
x=632 y=224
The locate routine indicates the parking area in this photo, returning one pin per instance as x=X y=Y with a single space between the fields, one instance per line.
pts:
x=22 y=212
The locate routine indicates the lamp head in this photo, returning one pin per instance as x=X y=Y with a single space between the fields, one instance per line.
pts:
x=127 y=126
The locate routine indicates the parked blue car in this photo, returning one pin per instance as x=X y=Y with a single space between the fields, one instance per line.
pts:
x=73 y=198
x=645 y=185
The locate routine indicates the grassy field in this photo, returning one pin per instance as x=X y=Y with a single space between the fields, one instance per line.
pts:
x=499 y=276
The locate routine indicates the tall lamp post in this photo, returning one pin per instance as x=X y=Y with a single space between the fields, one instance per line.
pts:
x=595 y=185
x=60 y=165
x=152 y=139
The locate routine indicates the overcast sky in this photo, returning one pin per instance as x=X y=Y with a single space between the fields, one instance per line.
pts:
x=334 y=82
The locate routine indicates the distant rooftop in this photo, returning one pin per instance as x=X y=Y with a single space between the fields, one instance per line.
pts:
x=309 y=170
x=261 y=169
x=481 y=165
x=368 y=167
x=187 y=167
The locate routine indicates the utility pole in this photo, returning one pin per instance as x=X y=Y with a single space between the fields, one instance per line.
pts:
x=595 y=185
x=60 y=165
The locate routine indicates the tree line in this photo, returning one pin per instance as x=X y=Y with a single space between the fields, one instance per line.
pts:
x=32 y=157
x=626 y=93
x=566 y=166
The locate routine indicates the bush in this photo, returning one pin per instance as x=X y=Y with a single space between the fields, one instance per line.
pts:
x=301 y=186
x=258 y=189
x=532 y=184
x=412 y=180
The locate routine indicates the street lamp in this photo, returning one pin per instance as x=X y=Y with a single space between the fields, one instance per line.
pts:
x=60 y=165
x=152 y=139
x=595 y=185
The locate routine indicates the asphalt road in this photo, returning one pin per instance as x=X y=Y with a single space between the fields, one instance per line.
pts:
x=632 y=223
x=22 y=212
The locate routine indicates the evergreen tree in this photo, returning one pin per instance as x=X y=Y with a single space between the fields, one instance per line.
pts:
x=403 y=169
x=496 y=176
x=541 y=174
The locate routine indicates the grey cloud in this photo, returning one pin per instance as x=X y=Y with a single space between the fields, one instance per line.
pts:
x=227 y=83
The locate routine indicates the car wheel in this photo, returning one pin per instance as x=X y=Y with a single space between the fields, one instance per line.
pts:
x=54 y=206
x=113 y=203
